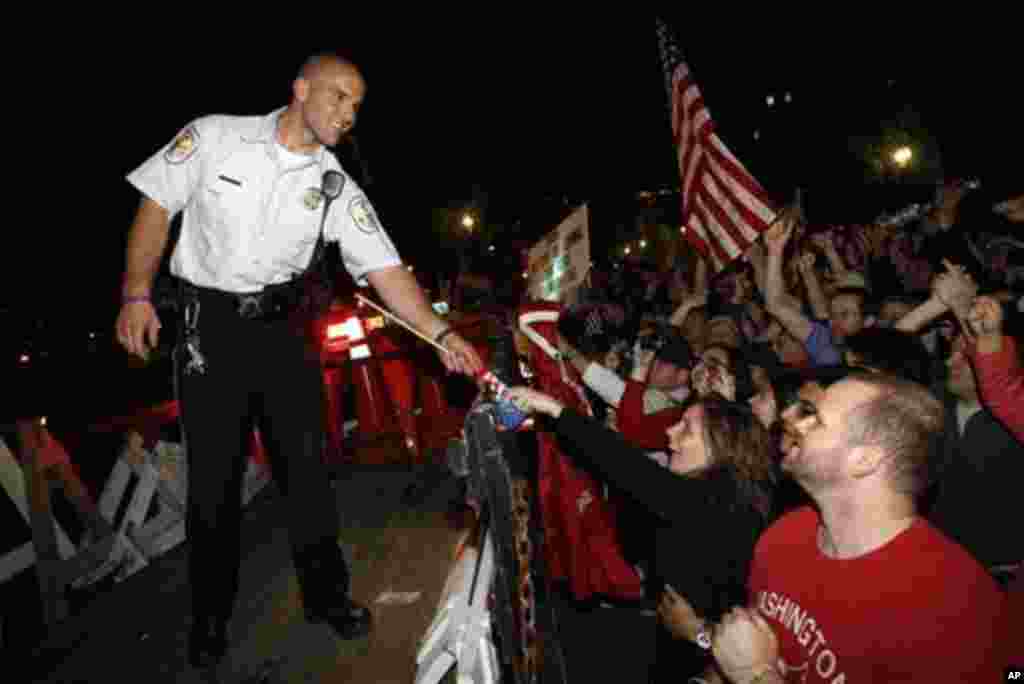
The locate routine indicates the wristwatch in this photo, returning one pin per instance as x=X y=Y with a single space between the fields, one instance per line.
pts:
x=703 y=637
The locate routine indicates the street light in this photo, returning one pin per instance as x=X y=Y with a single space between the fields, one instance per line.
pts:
x=902 y=156
x=467 y=221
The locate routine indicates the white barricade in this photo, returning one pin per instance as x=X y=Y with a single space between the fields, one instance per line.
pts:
x=460 y=634
x=144 y=503
x=161 y=475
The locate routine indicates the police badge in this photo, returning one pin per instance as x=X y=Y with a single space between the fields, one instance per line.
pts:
x=312 y=198
x=362 y=214
x=183 y=146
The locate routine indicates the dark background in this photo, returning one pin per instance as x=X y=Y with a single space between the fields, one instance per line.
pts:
x=525 y=108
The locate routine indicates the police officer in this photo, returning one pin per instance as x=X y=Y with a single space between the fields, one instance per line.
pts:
x=250 y=189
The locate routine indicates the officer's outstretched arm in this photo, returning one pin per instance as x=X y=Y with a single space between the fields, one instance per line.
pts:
x=403 y=295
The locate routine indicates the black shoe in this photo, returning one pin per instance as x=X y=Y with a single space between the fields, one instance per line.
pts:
x=348 y=619
x=207 y=642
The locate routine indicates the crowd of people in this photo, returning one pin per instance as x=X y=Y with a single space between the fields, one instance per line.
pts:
x=817 y=450
x=824 y=465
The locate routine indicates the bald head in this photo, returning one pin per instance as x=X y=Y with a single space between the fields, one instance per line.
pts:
x=326 y=96
x=325 y=64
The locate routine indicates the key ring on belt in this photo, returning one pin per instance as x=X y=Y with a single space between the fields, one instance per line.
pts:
x=192 y=315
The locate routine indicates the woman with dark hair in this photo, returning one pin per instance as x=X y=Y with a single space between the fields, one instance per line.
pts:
x=715 y=497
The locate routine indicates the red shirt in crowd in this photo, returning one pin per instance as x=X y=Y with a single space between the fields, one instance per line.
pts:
x=645 y=430
x=1001 y=384
x=918 y=609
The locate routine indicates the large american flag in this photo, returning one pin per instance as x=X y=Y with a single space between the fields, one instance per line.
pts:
x=724 y=207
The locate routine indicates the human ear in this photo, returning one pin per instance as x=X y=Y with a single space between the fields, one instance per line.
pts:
x=866 y=460
x=300 y=88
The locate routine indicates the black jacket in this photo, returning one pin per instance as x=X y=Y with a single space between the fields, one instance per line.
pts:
x=703 y=548
x=978 y=490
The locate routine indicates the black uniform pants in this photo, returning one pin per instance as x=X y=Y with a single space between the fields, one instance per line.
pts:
x=260 y=373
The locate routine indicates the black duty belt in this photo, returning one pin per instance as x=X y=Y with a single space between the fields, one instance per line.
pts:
x=273 y=302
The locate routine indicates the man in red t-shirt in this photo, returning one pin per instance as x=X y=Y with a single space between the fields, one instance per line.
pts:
x=860 y=588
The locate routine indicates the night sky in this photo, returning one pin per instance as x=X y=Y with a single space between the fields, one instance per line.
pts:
x=521 y=107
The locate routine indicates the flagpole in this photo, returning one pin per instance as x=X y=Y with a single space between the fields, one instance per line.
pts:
x=402 y=323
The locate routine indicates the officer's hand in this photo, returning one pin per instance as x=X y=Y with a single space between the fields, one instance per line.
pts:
x=460 y=356
x=138 y=328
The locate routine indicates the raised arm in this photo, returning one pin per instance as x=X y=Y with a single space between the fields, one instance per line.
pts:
x=403 y=294
x=815 y=295
x=660 y=491
x=689 y=303
x=996 y=364
x=952 y=290
x=692 y=297
x=825 y=243
x=700 y=277
x=598 y=377
x=777 y=300
x=755 y=257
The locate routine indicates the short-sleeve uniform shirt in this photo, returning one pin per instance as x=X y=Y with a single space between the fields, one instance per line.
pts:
x=251 y=210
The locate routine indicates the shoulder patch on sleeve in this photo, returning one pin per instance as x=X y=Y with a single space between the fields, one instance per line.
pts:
x=361 y=211
x=183 y=147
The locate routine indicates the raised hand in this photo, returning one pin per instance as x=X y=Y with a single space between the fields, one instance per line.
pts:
x=780 y=232
x=985 y=317
x=725 y=384
x=531 y=401
x=955 y=288
x=642 y=361
x=678 y=616
x=806 y=261
x=744 y=645
x=821 y=241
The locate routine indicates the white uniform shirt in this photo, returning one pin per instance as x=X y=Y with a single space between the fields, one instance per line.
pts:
x=252 y=211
